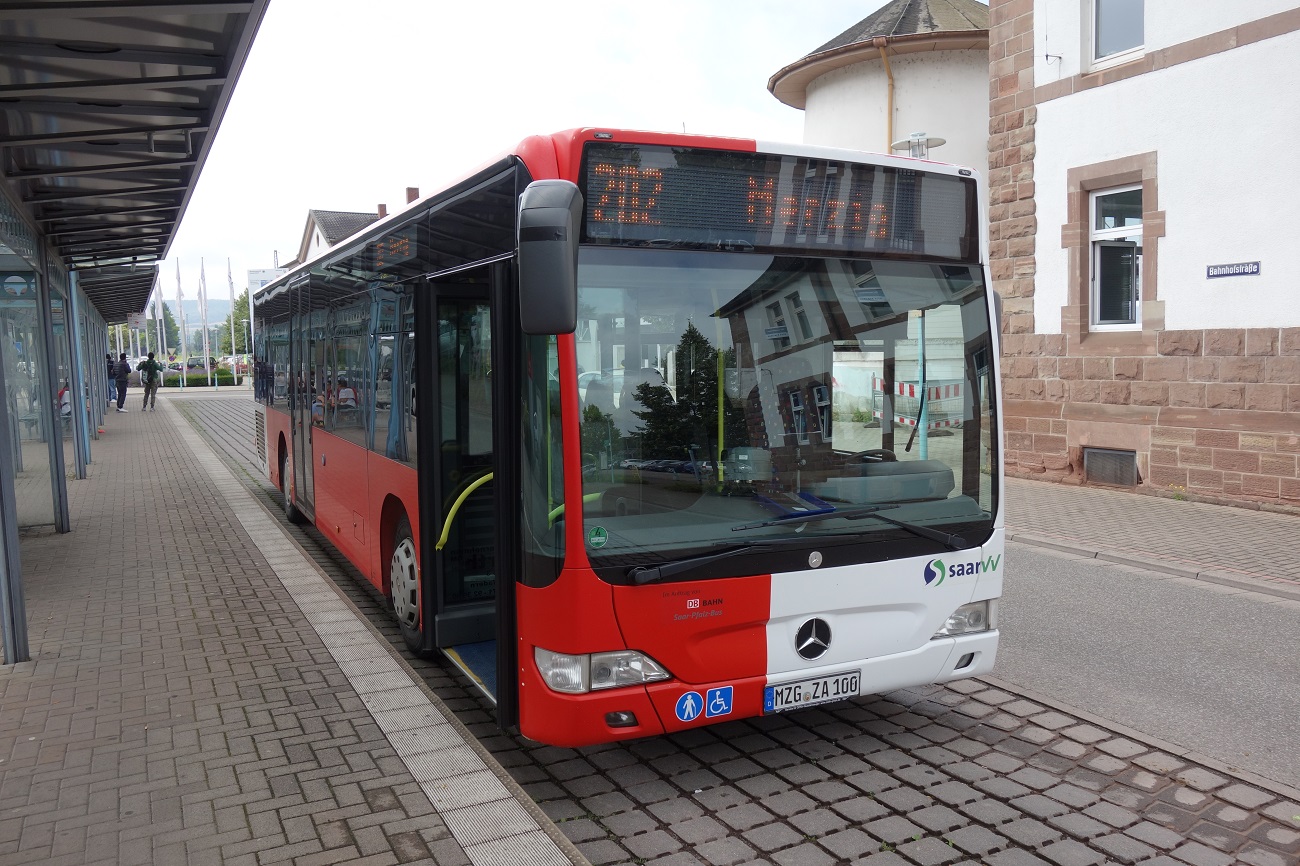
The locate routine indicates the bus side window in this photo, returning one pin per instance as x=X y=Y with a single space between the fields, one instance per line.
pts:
x=408 y=415
x=350 y=404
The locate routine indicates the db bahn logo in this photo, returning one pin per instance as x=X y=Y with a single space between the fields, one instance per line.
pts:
x=813 y=639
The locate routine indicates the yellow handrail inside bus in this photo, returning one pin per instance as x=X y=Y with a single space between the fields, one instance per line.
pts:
x=455 y=506
x=559 y=509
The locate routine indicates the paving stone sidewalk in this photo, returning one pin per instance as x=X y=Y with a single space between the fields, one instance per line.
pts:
x=1220 y=543
x=179 y=708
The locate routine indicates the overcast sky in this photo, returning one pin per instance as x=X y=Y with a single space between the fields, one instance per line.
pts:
x=342 y=105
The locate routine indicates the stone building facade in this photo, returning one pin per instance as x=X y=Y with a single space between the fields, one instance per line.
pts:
x=1141 y=242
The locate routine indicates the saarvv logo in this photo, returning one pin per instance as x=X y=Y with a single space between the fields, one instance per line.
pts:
x=936 y=571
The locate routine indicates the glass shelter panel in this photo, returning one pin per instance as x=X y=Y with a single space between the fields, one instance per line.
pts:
x=29 y=393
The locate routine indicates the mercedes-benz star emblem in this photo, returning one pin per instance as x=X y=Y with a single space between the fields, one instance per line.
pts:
x=813 y=639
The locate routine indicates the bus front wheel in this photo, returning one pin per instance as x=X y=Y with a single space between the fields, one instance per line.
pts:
x=404 y=580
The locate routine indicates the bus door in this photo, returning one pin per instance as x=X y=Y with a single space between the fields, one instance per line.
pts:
x=305 y=345
x=458 y=433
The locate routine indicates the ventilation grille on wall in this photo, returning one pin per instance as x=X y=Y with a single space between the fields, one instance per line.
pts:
x=1106 y=466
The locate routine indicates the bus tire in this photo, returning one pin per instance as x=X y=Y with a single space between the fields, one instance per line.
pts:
x=404 y=586
x=290 y=510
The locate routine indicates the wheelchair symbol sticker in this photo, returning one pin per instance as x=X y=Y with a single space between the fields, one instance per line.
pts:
x=718 y=702
x=689 y=706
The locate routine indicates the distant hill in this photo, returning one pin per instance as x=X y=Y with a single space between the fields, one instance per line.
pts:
x=218 y=309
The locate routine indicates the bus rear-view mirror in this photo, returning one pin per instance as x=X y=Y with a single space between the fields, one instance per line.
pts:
x=550 y=214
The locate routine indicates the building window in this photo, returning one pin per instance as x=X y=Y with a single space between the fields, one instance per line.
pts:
x=800 y=418
x=800 y=316
x=1116 y=261
x=777 y=332
x=1117 y=31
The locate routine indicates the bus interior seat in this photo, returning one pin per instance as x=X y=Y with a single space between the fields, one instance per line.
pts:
x=629 y=402
x=601 y=396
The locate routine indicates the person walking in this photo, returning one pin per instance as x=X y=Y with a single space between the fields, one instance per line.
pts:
x=122 y=372
x=112 y=374
x=150 y=376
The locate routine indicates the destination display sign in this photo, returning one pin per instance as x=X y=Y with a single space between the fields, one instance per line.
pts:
x=394 y=248
x=643 y=195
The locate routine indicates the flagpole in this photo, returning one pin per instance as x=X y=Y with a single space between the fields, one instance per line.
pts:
x=180 y=308
x=148 y=332
x=158 y=318
x=203 y=310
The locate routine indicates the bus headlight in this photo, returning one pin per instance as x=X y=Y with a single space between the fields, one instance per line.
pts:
x=578 y=674
x=968 y=619
x=624 y=668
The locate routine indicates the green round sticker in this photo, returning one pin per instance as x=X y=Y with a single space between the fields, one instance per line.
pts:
x=597 y=537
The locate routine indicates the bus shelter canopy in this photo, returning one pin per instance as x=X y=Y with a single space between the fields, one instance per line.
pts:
x=107 y=113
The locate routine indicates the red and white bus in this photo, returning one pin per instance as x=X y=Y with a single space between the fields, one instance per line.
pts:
x=652 y=431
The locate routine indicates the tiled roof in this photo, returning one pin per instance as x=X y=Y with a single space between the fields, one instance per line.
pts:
x=336 y=225
x=911 y=17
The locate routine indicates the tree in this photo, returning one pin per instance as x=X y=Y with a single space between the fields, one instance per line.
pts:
x=215 y=333
x=238 y=313
x=688 y=427
x=171 y=334
x=171 y=331
x=668 y=426
x=597 y=433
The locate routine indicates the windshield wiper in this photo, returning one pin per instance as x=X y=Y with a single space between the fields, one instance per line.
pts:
x=643 y=574
x=949 y=540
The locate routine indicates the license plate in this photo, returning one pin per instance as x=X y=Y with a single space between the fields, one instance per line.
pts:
x=807 y=693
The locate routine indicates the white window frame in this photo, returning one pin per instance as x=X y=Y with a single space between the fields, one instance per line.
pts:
x=1096 y=63
x=776 y=319
x=822 y=401
x=1097 y=240
x=799 y=315
x=799 y=416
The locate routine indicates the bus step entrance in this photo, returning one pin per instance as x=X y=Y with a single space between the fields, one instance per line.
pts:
x=479 y=662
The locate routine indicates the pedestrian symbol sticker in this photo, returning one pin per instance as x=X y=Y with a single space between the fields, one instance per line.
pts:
x=717 y=702
x=598 y=536
x=689 y=706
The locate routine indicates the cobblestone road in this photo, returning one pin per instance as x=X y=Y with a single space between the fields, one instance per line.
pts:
x=974 y=772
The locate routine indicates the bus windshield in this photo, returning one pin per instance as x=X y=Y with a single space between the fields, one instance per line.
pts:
x=727 y=398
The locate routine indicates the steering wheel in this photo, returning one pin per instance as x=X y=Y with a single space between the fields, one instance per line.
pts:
x=873 y=455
